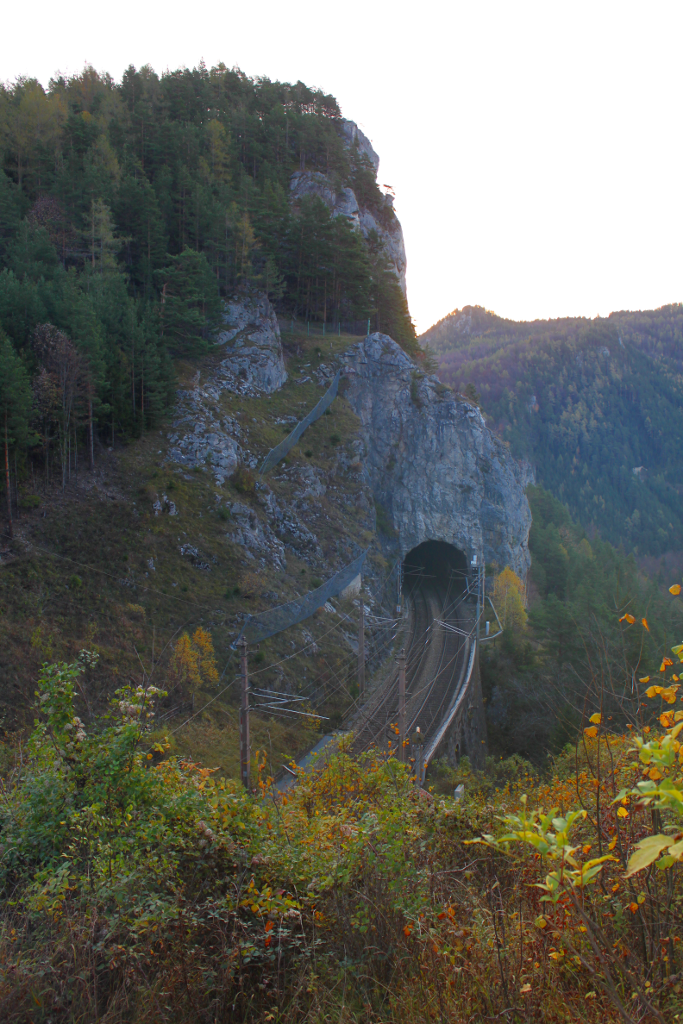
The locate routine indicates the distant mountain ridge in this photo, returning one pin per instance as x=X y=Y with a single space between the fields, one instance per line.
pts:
x=595 y=405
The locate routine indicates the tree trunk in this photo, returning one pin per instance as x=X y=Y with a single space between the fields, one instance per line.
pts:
x=7 y=479
x=90 y=432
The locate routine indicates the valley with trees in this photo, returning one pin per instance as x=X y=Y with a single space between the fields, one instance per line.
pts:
x=536 y=878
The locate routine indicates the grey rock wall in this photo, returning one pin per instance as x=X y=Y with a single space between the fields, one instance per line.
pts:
x=252 y=364
x=251 y=336
x=343 y=202
x=353 y=136
x=438 y=471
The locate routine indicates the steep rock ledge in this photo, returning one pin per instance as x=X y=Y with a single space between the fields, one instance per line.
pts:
x=342 y=202
x=436 y=469
x=251 y=335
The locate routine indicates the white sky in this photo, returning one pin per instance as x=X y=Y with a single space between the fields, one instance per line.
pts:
x=534 y=147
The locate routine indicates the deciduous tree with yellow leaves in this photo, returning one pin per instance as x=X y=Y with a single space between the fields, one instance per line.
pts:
x=508 y=597
x=194 y=658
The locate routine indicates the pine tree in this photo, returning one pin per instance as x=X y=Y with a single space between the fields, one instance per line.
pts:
x=15 y=408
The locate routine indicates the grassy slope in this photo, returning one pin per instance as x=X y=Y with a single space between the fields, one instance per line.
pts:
x=60 y=587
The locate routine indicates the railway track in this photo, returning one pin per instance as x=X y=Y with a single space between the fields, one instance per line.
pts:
x=436 y=659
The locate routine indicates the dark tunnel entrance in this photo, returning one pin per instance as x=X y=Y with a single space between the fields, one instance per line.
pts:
x=436 y=561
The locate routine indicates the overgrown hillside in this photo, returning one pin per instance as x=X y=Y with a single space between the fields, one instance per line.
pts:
x=596 y=407
x=142 y=550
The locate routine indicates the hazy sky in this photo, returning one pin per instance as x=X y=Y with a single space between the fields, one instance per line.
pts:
x=534 y=147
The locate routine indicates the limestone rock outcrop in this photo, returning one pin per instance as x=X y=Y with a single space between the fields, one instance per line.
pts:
x=251 y=335
x=434 y=466
x=252 y=364
x=353 y=136
x=342 y=202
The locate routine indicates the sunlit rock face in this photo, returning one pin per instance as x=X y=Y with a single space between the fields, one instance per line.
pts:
x=434 y=466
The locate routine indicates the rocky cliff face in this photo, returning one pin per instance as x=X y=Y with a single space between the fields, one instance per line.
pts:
x=251 y=335
x=342 y=202
x=437 y=470
x=252 y=364
x=429 y=459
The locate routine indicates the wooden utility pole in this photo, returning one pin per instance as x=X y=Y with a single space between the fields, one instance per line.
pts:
x=402 y=706
x=245 y=747
x=361 y=643
x=7 y=480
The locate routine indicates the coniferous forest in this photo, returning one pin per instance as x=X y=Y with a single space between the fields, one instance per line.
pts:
x=594 y=405
x=129 y=210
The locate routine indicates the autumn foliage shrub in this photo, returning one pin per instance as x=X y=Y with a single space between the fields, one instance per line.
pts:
x=139 y=886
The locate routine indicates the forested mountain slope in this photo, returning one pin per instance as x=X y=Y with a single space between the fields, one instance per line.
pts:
x=595 y=405
x=129 y=210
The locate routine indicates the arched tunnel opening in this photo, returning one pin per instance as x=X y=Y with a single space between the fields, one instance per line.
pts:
x=438 y=562
x=436 y=630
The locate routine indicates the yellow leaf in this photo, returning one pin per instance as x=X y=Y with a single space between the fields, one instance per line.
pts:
x=652 y=691
x=591 y=732
x=675 y=590
x=655 y=774
x=541 y=922
x=629 y=618
x=669 y=694
x=622 y=812
x=645 y=679
x=647 y=851
x=595 y=719
x=644 y=622
x=525 y=988
x=612 y=844
x=666 y=719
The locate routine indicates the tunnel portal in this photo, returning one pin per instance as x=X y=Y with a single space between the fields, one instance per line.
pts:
x=435 y=560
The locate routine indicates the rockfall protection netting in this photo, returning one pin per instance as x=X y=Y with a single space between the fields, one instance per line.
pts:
x=260 y=627
x=280 y=450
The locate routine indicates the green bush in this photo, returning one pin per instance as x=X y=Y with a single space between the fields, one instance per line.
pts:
x=28 y=501
x=243 y=480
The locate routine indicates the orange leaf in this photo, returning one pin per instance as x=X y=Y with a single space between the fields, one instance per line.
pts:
x=633 y=907
x=675 y=590
x=652 y=691
x=644 y=622
x=645 y=679
x=655 y=774
x=269 y=926
x=629 y=618
x=407 y=930
x=667 y=719
x=591 y=732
